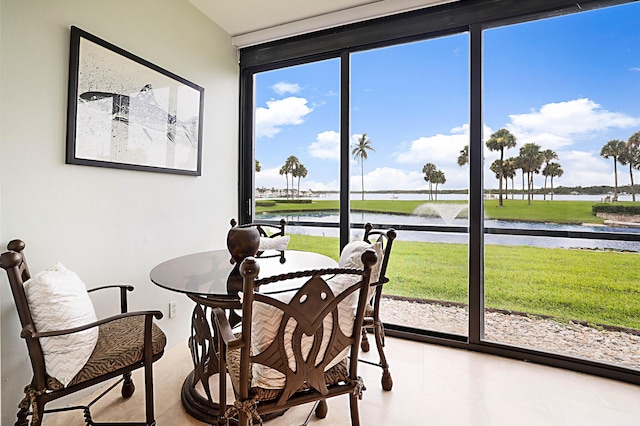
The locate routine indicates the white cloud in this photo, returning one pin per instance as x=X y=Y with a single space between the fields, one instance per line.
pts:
x=326 y=146
x=584 y=169
x=386 y=178
x=279 y=113
x=282 y=88
x=435 y=149
x=557 y=124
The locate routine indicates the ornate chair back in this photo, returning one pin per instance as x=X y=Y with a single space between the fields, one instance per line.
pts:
x=298 y=346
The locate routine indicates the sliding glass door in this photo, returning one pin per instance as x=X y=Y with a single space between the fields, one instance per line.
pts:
x=409 y=132
x=560 y=107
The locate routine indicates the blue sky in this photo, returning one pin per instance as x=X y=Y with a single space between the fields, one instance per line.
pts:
x=569 y=84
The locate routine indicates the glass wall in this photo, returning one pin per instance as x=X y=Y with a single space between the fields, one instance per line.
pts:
x=559 y=103
x=409 y=125
x=297 y=156
x=528 y=251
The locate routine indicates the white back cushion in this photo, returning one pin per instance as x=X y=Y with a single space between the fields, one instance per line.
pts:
x=277 y=243
x=58 y=300
x=266 y=320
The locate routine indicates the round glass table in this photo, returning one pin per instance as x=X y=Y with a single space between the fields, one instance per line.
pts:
x=212 y=281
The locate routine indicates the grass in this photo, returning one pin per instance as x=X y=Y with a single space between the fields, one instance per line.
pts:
x=570 y=212
x=599 y=287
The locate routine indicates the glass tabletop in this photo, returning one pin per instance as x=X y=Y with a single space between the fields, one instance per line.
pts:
x=207 y=273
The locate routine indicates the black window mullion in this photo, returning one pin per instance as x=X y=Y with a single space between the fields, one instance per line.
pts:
x=476 y=190
x=345 y=124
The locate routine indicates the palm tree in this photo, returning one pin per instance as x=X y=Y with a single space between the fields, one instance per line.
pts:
x=613 y=149
x=552 y=170
x=300 y=172
x=359 y=152
x=438 y=178
x=498 y=141
x=633 y=148
x=289 y=165
x=463 y=158
x=429 y=170
x=258 y=167
x=548 y=155
x=531 y=160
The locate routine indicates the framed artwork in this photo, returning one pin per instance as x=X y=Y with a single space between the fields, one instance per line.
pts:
x=127 y=113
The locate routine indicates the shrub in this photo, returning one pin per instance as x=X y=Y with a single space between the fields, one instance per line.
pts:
x=616 y=209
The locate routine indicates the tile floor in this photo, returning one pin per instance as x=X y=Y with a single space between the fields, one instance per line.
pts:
x=433 y=385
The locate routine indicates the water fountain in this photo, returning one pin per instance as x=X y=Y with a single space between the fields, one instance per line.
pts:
x=447 y=211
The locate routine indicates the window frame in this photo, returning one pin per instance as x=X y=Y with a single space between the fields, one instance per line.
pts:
x=473 y=17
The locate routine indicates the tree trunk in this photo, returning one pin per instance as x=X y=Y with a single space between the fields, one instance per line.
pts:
x=500 y=178
x=362 y=176
x=615 y=173
x=522 y=184
x=633 y=188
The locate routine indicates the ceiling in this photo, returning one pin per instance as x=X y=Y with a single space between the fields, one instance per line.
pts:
x=256 y=21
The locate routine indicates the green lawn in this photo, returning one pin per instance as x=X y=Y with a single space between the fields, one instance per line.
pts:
x=538 y=211
x=593 y=286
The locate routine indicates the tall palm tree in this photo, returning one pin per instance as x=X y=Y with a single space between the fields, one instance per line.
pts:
x=359 y=152
x=463 y=158
x=258 y=166
x=438 y=178
x=614 y=149
x=499 y=141
x=289 y=165
x=531 y=160
x=300 y=172
x=548 y=155
x=552 y=170
x=429 y=170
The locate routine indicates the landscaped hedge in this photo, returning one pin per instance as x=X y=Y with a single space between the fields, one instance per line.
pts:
x=614 y=208
x=294 y=201
x=265 y=203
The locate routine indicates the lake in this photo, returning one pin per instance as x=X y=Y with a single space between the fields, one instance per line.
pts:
x=462 y=238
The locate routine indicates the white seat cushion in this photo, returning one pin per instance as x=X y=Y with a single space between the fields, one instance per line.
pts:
x=58 y=300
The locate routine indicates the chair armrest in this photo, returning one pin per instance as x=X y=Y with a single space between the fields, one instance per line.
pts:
x=226 y=333
x=123 y=293
x=28 y=331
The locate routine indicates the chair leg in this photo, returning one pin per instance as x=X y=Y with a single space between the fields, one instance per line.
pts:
x=353 y=405
x=148 y=393
x=322 y=409
x=387 y=381
x=364 y=343
x=128 y=387
x=22 y=417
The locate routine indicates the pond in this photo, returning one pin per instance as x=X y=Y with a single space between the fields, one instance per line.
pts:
x=462 y=238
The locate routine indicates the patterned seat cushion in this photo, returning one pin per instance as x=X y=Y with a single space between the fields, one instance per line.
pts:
x=120 y=344
x=336 y=374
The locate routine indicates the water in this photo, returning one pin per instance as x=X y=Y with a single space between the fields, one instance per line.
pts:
x=448 y=197
x=463 y=238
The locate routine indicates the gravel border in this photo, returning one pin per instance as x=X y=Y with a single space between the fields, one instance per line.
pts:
x=611 y=345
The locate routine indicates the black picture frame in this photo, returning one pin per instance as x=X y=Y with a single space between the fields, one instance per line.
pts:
x=125 y=112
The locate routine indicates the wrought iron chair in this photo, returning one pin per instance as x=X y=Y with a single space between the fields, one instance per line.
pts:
x=294 y=347
x=268 y=231
x=372 y=309
x=125 y=342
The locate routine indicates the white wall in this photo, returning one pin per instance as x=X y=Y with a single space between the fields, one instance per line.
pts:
x=108 y=225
